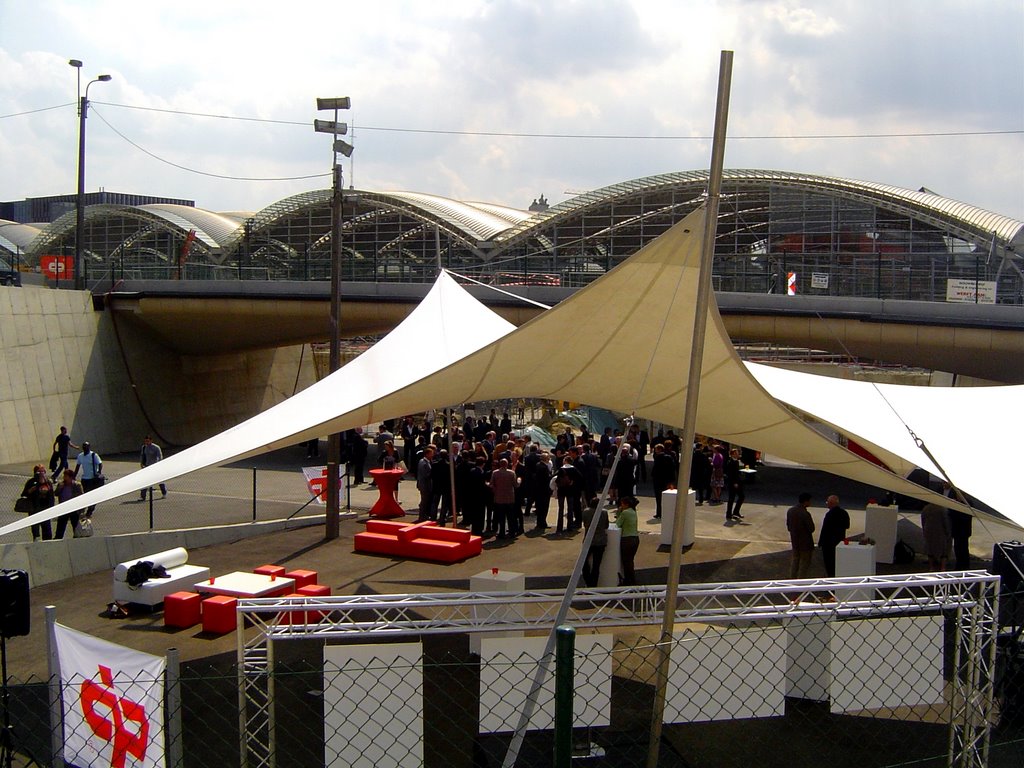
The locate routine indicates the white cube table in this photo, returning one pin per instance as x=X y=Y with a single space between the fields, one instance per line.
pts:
x=855 y=559
x=496 y=580
x=611 y=563
x=668 y=516
x=880 y=525
x=244 y=584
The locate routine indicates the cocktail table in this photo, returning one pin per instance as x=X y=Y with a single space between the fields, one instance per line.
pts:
x=387 y=481
x=244 y=584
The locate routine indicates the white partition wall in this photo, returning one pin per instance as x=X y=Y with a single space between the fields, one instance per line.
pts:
x=389 y=732
x=506 y=673
x=726 y=674
x=880 y=663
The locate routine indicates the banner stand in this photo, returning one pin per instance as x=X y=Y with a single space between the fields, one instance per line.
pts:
x=53 y=667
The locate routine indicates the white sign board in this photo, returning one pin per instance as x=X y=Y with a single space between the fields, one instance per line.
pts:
x=964 y=291
x=886 y=663
x=507 y=667
x=729 y=674
x=819 y=280
x=373 y=705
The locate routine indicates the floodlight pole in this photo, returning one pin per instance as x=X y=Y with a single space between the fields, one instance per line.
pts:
x=700 y=314
x=333 y=517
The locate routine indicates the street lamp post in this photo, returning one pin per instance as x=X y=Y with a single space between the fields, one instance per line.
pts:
x=331 y=529
x=83 y=112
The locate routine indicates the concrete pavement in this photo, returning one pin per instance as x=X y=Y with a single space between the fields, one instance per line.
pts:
x=755 y=549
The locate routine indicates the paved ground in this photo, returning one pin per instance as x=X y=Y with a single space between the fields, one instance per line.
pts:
x=756 y=549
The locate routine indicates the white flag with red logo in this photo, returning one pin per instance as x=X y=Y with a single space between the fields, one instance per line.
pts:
x=113 y=703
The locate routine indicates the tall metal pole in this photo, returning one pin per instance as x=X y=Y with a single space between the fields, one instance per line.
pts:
x=83 y=109
x=83 y=113
x=333 y=522
x=700 y=314
x=331 y=528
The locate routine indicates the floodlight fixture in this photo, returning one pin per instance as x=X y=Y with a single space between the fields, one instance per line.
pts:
x=343 y=147
x=330 y=126
x=341 y=102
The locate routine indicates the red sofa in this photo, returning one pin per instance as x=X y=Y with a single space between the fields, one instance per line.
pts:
x=420 y=541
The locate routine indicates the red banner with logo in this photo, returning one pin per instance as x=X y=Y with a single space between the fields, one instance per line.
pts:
x=57 y=267
x=113 y=703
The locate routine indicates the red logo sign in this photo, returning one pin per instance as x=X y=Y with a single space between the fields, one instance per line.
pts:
x=109 y=716
x=57 y=267
x=318 y=485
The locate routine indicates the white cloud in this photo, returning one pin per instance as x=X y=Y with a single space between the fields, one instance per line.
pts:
x=794 y=19
x=644 y=68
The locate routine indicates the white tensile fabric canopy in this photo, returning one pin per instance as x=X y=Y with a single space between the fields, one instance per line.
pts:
x=966 y=428
x=622 y=343
x=447 y=325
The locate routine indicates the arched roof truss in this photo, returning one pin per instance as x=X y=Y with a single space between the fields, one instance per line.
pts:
x=762 y=215
x=109 y=227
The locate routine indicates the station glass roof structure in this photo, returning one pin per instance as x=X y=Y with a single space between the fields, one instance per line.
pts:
x=821 y=234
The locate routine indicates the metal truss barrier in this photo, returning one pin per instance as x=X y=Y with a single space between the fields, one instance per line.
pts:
x=972 y=596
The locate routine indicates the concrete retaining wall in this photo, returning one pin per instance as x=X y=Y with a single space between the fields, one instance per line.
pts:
x=51 y=561
x=111 y=382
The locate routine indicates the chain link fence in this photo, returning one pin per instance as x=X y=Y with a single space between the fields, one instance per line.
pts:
x=234 y=493
x=840 y=672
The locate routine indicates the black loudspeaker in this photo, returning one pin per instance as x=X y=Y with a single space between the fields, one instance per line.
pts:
x=14 y=604
x=1008 y=562
x=1008 y=565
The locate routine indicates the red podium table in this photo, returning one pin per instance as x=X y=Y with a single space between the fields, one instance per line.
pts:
x=387 y=483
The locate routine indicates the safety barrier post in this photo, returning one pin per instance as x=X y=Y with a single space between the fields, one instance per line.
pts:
x=565 y=642
x=172 y=685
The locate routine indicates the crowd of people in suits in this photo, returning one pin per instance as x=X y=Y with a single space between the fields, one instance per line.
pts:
x=501 y=478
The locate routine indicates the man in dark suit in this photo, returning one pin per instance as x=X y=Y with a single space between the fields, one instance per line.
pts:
x=833 y=531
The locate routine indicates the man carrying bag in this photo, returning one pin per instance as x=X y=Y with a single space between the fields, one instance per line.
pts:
x=89 y=463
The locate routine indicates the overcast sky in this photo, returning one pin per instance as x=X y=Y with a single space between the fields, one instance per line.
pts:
x=451 y=98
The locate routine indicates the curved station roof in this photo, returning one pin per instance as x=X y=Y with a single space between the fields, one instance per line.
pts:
x=876 y=240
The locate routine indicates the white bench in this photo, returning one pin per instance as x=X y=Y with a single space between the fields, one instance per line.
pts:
x=152 y=592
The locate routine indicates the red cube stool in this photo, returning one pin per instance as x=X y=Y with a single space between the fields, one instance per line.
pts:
x=302 y=578
x=219 y=614
x=270 y=570
x=182 y=609
x=315 y=590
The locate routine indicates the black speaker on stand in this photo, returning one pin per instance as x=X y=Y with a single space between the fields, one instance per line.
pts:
x=14 y=622
x=1008 y=564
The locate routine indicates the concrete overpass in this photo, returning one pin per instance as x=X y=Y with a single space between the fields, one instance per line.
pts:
x=216 y=317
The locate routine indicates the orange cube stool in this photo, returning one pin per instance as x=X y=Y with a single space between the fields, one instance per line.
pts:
x=302 y=578
x=270 y=570
x=219 y=614
x=182 y=609
x=315 y=590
